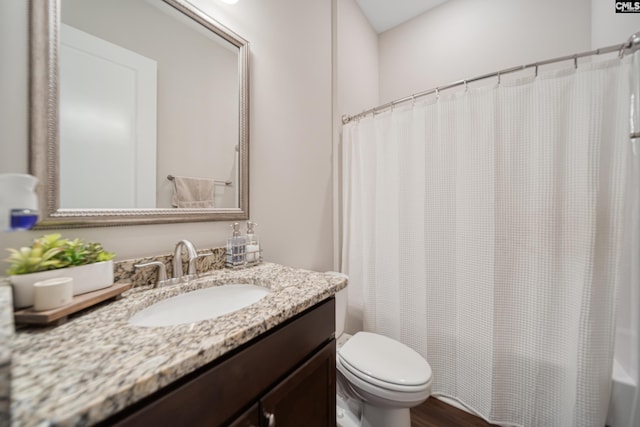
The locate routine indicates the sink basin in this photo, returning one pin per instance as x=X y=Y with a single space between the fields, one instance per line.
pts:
x=202 y=304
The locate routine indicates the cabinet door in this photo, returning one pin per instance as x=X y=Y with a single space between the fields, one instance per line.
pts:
x=307 y=397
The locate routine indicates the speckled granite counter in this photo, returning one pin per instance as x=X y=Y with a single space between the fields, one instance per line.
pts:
x=97 y=364
x=6 y=331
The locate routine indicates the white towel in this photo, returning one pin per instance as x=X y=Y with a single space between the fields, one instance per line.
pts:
x=192 y=192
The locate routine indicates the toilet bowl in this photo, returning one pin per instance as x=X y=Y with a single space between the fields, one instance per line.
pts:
x=385 y=376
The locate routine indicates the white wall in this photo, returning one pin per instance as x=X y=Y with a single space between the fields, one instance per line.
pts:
x=357 y=59
x=13 y=86
x=608 y=27
x=466 y=38
x=291 y=131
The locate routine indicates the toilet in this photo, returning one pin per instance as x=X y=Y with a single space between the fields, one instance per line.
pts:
x=379 y=379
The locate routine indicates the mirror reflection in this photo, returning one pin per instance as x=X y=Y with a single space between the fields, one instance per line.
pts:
x=125 y=94
x=146 y=94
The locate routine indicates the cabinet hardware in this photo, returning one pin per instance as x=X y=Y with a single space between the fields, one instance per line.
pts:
x=271 y=419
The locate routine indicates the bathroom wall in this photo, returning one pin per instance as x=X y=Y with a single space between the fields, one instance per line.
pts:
x=290 y=140
x=357 y=59
x=608 y=27
x=467 y=38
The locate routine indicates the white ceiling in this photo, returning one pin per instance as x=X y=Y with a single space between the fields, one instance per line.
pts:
x=386 y=14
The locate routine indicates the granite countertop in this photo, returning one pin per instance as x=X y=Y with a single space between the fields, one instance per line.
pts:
x=97 y=364
x=6 y=332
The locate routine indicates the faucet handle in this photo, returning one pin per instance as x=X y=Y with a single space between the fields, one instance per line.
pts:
x=162 y=270
x=206 y=254
x=192 y=270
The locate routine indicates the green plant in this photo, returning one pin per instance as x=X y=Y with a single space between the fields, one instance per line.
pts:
x=51 y=252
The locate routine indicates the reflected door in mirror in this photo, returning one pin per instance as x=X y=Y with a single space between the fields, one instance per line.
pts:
x=107 y=124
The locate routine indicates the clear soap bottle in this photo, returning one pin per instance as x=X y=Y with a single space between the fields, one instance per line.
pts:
x=253 y=244
x=236 y=247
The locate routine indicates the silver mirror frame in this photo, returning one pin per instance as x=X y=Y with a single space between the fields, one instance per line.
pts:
x=44 y=137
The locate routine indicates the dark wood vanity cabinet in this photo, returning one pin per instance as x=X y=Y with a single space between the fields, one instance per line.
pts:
x=305 y=398
x=283 y=378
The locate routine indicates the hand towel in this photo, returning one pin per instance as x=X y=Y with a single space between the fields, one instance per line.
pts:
x=193 y=192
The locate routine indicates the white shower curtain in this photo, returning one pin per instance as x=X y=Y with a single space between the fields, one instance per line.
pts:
x=484 y=229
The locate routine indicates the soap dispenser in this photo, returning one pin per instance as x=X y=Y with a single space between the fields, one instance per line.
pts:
x=253 y=245
x=18 y=201
x=236 y=247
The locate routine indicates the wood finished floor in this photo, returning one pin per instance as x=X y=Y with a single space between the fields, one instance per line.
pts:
x=435 y=413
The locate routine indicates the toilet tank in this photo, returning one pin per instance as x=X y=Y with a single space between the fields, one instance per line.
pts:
x=341 y=304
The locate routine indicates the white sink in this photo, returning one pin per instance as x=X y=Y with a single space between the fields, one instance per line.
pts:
x=199 y=305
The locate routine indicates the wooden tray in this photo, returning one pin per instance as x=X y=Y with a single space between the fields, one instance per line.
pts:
x=79 y=302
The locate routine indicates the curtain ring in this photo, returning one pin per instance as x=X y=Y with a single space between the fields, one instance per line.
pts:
x=437 y=94
x=413 y=100
x=623 y=46
x=499 y=76
x=536 y=70
x=575 y=61
x=466 y=86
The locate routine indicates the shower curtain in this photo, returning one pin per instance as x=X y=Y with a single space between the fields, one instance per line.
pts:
x=485 y=230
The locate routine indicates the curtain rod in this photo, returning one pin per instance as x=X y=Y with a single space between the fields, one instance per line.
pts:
x=630 y=46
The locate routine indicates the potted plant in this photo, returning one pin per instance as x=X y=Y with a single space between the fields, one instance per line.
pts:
x=51 y=256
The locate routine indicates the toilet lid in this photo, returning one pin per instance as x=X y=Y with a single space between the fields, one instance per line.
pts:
x=385 y=359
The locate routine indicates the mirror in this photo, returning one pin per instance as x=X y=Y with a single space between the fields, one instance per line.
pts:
x=129 y=100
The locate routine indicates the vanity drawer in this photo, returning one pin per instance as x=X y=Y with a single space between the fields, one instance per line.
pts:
x=222 y=390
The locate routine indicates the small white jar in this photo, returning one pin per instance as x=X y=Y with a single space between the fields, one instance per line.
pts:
x=52 y=293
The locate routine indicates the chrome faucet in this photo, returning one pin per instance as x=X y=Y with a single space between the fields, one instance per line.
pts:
x=177 y=258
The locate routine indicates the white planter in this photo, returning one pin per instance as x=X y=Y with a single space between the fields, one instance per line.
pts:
x=86 y=278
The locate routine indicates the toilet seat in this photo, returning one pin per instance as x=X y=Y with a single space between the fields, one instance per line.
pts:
x=361 y=379
x=383 y=362
x=375 y=361
x=383 y=396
